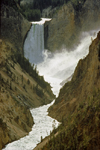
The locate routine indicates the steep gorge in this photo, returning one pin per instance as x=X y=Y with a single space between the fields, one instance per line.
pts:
x=17 y=95
x=19 y=91
x=78 y=106
x=84 y=84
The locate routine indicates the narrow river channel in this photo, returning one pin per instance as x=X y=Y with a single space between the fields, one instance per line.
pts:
x=55 y=68
x=42 y=127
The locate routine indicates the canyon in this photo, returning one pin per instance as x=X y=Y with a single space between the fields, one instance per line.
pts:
x=18 y=89
x=77 y=104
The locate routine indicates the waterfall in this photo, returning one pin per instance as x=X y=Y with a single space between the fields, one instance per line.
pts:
x=34 y=43
x=55 y=68
x=58 y=68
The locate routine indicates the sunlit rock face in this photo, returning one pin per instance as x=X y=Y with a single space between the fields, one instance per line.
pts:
x=68 y=23
x=43 y=125
x=61 y=28
x=89 y=15
x=13 y=122
x=85 y=83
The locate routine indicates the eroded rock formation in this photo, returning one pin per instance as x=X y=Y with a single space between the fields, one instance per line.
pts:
x=78 y=106
x=85 y=83
x=69 y=21
x=17 y=88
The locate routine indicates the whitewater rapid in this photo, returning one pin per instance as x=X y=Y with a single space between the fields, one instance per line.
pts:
x=42 y=128
x=56 y=68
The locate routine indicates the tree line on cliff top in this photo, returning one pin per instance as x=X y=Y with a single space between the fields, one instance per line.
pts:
x=32 y=10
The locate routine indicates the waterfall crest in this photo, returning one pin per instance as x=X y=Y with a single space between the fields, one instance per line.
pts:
x=34 y=43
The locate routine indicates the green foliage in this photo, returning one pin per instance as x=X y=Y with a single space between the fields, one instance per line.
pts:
x=18 y=1
x=81 y=131
x=78 y=4
x=28 y=82
x=10 y=85
x=25 y=65
x=0 y=77
x=32 y=14
x=22 y=78
x=10 y=3
x=42 y=4
x=7 y=69
x=32 y=11
x=39 y=91
x=2 y=124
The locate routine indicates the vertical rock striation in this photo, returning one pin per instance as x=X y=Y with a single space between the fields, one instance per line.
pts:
x=69 y=21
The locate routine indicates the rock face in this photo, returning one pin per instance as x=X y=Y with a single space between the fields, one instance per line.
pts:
x=78 y=106
x=69 y=22
x=14 y=26
x=61 y=28
x=49 y=12
x=89 y=15
x=85 y=83
x=18 y=92
x=46 y=24
x=15 y=117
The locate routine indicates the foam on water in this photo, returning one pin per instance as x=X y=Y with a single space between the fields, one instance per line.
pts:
x=42 y=127
x=61 y=65
x=55 y=68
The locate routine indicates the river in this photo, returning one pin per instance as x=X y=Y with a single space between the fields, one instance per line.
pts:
x=55 y=68
x=42 y=127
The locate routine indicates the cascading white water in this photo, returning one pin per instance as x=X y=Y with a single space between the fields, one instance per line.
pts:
x=61 y=65
x=43 y=125
x=55 y=69
x=34 y=43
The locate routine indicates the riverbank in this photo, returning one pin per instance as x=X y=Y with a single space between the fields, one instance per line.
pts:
x=42 y=128
x=40 y=145
x=21 y=88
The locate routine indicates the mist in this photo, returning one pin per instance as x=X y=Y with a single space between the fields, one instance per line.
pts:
x=59 y=67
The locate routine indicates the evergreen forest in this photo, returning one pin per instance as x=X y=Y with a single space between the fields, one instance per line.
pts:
x=32 y=10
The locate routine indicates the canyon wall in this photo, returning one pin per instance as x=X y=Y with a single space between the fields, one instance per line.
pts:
x=19 y=91
x=69 y=21
x=14 y=122
x=85 y=83
x=78 y=106
x=14 y=26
